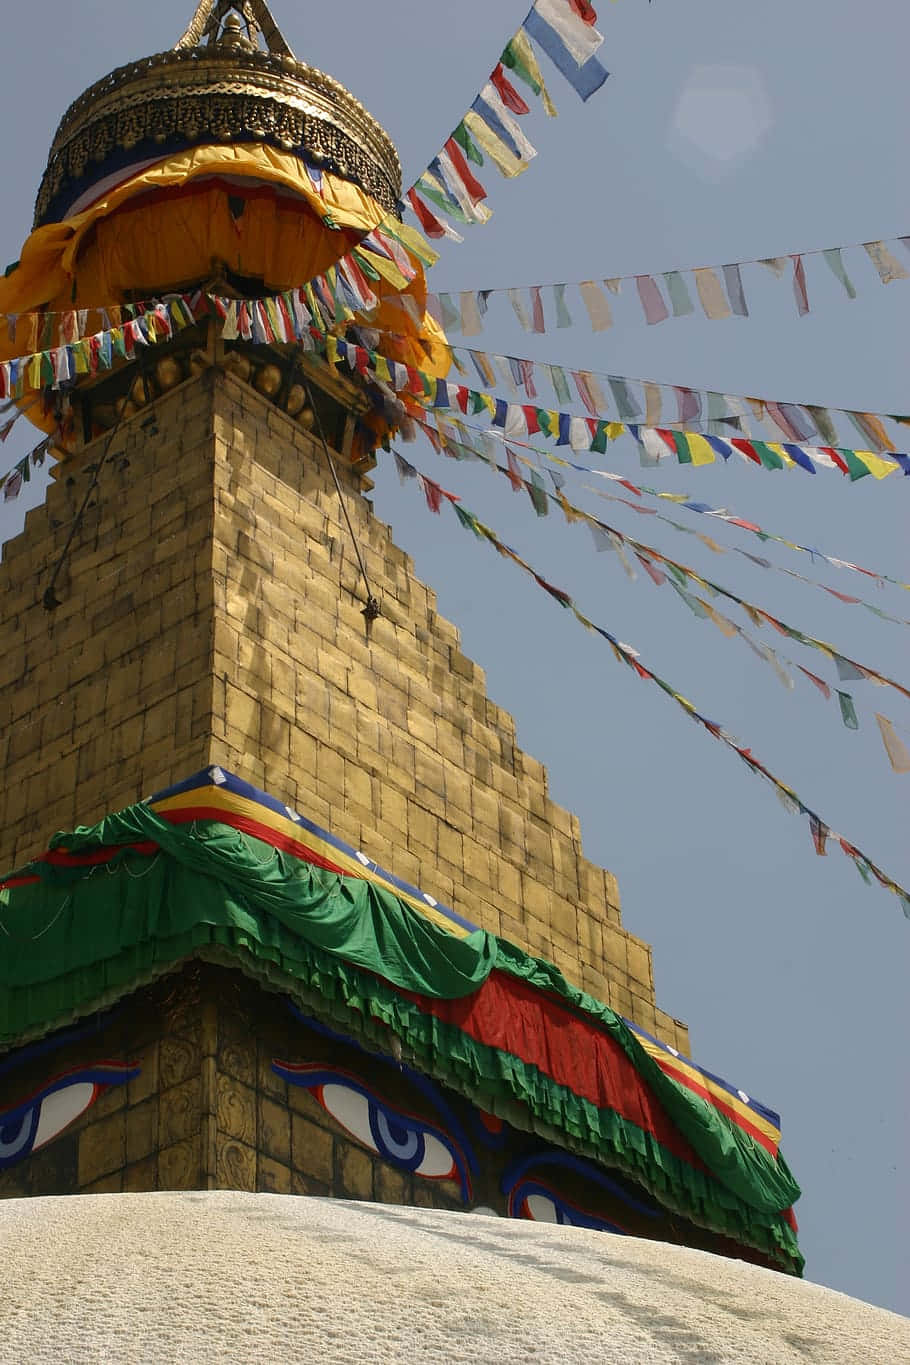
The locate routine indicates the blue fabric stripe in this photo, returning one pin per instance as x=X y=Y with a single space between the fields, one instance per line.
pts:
x=585 y=79
x=719 y=446
x=495 y=124
x=799 y=456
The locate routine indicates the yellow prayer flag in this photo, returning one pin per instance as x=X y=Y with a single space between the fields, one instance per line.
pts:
x=412 y=239
x=888 y=267
x=700 y=450
x=723 y=623
x=711 y=293
x=878 y=467
x=897 y=751
x=521 y=46
x=597 y=305
x=496 y=149
x=653 y=404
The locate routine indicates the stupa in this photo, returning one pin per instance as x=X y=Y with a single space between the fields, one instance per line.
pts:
x=316 y=926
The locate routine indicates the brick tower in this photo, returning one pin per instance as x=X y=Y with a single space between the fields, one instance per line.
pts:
x=189 y=634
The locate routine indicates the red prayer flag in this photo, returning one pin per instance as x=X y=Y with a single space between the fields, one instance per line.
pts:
x=820 y=834
x=513 y=472
x=537 y=318
x=428 y=221
x=459 y=161
x=432 y=493
x=745 y=448
x=799 y=285
x=837 y=458
x=507 y=92
x=585 y=11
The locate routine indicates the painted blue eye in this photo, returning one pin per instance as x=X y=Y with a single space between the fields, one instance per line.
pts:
x=402 y=1139
x=43 y=1116
x=540 y=1203
x=402 y=1142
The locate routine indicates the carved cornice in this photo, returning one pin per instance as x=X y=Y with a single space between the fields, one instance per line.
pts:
x=202 y=94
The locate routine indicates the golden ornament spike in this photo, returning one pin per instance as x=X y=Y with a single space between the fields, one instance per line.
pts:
x=212 y=23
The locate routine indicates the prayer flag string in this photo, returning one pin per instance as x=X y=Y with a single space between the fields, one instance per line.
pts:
x=660 y=295
x=820 y=831
x=475 y=444
x=660 y=569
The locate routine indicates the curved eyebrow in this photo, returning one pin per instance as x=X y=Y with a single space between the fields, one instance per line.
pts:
x=98 y=1073
x=518 y=1169
x=423 y=1084
x=318 y=1075
x=101 y=1076
x=57 y=1040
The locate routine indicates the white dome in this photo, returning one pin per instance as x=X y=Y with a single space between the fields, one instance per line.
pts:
x=225 y=1276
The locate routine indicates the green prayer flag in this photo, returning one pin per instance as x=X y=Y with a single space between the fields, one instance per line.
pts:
x=680 y=299
x=848 y=710
x=560 y=383
x=682 y=448
x=854 y=464
x=468 y=145
x=511 y=59
x=538 y=494
x=769 y=458
x=599 y=443
x=835 y=264
x=563 y=316
x=467 y=519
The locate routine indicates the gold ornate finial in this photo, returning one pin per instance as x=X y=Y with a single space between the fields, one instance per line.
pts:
x=222 y=21
x=218 y=85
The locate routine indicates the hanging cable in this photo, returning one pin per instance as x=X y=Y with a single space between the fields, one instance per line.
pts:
x=372 y=608
x=50 y=599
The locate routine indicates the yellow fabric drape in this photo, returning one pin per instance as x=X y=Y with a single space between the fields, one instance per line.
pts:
x=49 y=261
x=141 y=236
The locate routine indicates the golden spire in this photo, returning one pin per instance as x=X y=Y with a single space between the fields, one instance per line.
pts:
x=223 y=21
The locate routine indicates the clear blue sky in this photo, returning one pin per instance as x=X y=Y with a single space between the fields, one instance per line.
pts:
x=791 y=974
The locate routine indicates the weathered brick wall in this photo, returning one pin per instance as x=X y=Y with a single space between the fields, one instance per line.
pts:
x=212 y=613
x=109 y=696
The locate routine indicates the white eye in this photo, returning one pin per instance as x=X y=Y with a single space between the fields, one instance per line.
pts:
x=351 y=1109
x=393 y=1136
x=541 y=1208
x=62 y=1107
x=437 y=1162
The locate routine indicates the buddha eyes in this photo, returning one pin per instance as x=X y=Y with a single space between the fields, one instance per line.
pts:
x=43 y=1116
x=534 y=1200
x=405 y=1140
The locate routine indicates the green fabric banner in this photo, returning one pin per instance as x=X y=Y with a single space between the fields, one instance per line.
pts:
x=80 y=937
x=231 y=880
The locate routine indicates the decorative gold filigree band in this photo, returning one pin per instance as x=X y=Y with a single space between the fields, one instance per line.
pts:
x=211 y=93
x=218 y=118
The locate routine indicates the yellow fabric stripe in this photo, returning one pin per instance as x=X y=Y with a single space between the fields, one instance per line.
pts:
x=218 y=798
x=699 y=1078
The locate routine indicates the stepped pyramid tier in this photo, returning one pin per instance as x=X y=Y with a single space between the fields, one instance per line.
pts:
x=317 y=925
x=223 y=163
